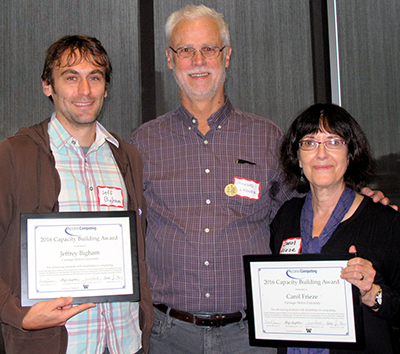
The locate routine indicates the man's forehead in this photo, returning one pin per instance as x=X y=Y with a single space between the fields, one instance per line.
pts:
x=205 y=28
x=70 y=59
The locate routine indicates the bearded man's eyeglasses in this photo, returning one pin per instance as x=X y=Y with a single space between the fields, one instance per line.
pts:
x=208 y=52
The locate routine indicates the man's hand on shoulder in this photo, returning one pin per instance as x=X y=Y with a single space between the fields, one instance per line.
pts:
x=377 y=196
x=52 y=313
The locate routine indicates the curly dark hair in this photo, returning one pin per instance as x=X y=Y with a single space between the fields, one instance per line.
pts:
x=335 y=120
x=89 y=48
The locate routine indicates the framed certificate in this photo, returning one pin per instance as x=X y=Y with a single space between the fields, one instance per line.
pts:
x=301 y=301
x=91 y=256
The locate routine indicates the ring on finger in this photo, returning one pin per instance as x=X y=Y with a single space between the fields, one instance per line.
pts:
x=362 y=276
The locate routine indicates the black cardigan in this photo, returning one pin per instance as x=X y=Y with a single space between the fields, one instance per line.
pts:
x=375 y=231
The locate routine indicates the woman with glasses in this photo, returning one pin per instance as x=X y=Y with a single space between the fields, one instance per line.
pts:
x=326 y=154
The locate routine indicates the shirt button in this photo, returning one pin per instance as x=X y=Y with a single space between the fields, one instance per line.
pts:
x=205 y=142
x=207 y=170
x=190 y=128
x=208 y=295
x=207 y=263
x=208 y=201
x=194 y=121
x=219 y=127
x=207 y=230
x=90 y=188
x=73 y=142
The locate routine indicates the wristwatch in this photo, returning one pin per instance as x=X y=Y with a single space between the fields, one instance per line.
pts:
x=378 y=300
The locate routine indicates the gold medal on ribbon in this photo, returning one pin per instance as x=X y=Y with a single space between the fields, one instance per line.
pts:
x=231 y=190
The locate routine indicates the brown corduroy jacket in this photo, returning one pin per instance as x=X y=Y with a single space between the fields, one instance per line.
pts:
x=29 y=183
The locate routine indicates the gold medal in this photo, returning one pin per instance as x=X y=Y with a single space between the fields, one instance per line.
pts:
x=231 y=190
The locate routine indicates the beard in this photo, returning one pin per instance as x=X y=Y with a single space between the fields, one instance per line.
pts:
x=191 y=91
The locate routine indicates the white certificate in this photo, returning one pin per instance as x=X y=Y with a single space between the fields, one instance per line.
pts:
x=90 y=256
x=300 y=300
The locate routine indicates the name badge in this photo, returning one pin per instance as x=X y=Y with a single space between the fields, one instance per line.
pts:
x=247 y=188
x=110 y=196
x=291 y=245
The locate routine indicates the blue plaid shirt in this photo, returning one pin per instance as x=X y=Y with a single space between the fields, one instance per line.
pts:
x=113 y=324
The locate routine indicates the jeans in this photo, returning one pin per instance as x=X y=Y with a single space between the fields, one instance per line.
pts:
x=172 y=336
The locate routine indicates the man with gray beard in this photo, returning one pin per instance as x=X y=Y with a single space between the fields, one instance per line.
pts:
x=212 y=185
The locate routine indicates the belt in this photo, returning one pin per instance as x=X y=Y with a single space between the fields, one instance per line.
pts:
x=215 y=320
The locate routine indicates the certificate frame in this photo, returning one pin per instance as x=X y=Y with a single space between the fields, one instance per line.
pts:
x=116 y=279
x=262 y=331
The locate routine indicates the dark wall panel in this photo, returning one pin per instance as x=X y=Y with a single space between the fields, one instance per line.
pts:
x=28 y=27
x=369 y=51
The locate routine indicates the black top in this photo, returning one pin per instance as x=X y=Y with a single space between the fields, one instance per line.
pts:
x=375 y=231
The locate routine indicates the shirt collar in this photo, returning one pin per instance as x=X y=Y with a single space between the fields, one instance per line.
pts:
x=218 y=118
x=60 y=137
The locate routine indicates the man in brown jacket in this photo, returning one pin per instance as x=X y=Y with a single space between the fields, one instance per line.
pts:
x=37 y=166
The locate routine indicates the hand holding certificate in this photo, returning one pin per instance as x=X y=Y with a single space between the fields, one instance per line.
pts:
x=52 y=313
x=301 y=301
x=90 y=256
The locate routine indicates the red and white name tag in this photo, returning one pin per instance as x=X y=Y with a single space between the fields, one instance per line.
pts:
x=247 y=188
x=110 y=196
x=291 y=245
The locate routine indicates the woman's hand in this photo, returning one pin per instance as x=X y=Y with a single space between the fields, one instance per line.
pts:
x=361 y=273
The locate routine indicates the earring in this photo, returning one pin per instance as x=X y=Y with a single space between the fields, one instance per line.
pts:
x=302 y=178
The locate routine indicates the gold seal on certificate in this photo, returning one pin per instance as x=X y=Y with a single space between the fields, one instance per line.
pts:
x=231 y=190
x=90 y=256
x=301 y=301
